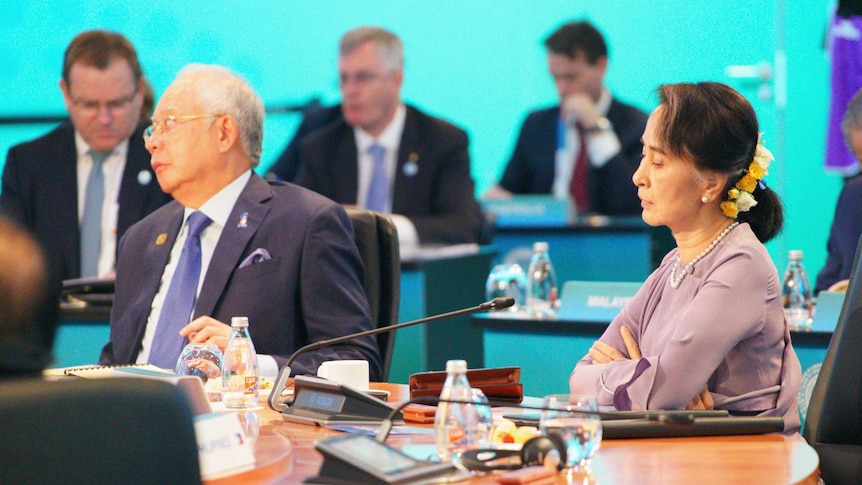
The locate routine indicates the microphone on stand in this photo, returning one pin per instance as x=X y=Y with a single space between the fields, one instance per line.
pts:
x=498 y=303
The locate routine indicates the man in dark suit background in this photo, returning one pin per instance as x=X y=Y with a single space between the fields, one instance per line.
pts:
x=847 y=222
x=276 y=253
x=286 y=167
x=548 y=151
x=45 y=181
x=384 y=155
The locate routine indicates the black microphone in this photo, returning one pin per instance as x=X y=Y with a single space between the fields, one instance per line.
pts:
x=498 y=303
x=664 y=416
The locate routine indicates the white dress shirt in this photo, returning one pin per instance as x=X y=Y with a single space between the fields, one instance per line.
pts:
x=603 y=145
x=389 y=139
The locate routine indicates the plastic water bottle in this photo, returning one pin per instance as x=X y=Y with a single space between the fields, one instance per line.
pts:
x=240 y=372
x=455 y=425
x=541 y=283
x=796 y=293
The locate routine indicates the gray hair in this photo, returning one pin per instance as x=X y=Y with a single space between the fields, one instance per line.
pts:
x=221 y=91
x=387 y=44
x=852 y=120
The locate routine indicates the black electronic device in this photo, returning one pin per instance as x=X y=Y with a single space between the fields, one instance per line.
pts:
x=323 y=402
x=527 y=419
x=358 y=458
x=664 y=416
x=88 y=291
x=677 y=427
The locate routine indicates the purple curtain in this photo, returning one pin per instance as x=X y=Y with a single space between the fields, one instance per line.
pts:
x=846 y=53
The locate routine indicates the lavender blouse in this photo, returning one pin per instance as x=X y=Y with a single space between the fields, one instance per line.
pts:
x=723 y=327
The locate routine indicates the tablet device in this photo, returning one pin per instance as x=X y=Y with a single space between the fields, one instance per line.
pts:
x=362 y=459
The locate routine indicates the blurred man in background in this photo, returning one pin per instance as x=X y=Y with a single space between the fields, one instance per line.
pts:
x=29 y=306
x=586 y=148
x=79 y=187
x=380 y=154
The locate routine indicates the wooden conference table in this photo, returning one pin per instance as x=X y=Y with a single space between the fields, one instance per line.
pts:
x=285 y=454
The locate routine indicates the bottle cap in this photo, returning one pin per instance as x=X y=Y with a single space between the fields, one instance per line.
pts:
x=459 y=366
x=794 y=254
x=239 y=322
x=540 y=246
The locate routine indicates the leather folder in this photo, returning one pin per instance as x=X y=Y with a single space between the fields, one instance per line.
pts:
x=498 y=383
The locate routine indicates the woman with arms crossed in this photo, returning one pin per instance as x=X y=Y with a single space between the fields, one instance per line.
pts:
x=707 y=328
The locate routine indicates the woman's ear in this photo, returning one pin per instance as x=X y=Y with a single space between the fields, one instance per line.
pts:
x=714 y=186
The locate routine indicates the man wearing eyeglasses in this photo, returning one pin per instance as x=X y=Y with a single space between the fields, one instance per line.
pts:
x=81 y=186
x=232 y=244
x=383 y=155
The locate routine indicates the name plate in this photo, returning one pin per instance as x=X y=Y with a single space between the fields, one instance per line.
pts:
x=595 y=301
x=222 y=445
x=531 y=211
x=827 y=310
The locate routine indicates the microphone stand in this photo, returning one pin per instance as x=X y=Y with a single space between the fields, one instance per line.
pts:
x=284 y=373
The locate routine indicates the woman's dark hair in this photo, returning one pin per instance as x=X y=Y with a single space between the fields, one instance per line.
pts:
x=716 y=127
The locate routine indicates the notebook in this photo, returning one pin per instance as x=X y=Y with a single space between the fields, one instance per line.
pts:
x=97 y=371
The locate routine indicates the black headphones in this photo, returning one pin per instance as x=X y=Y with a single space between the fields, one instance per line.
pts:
x=549 y=451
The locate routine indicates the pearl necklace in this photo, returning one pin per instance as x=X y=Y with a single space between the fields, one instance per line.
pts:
x=676 y=278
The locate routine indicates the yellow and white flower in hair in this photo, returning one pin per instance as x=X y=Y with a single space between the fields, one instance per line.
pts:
x=740 y=197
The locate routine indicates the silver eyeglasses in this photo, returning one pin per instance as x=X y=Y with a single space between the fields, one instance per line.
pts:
x=360 y=78
x=168 y=124
x=92 y=107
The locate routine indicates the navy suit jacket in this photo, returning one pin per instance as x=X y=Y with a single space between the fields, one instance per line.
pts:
x=40 y=190
x=287 y=165
x=311 y=289
x=843 y=236
x=612 y=192
x=438 y=198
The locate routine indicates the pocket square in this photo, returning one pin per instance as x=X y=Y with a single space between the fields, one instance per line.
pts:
x=257 y=256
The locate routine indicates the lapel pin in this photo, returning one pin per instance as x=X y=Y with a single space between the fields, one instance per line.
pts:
x=145 y=177
x=243 y=220
x=411 y=167
x=161 y=238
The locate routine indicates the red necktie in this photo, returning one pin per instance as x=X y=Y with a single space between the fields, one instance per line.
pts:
x=579 y=185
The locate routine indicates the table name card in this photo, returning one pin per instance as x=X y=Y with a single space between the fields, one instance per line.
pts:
x=222 y=445
x=531 y=211
x=827 y=310
x=595 y=301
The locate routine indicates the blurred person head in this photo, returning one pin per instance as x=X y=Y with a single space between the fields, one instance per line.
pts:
x=207 y=130
x=102 y=87
x=851 y=125
x=370 y=72
x=29 y=304
x=577 y=59
x=703 y=162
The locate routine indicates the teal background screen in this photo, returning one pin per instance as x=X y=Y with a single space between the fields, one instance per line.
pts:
x=479 y=64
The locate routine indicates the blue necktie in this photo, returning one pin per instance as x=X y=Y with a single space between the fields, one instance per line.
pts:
x=91 y=224
x=378 y=190
x=180 y=300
